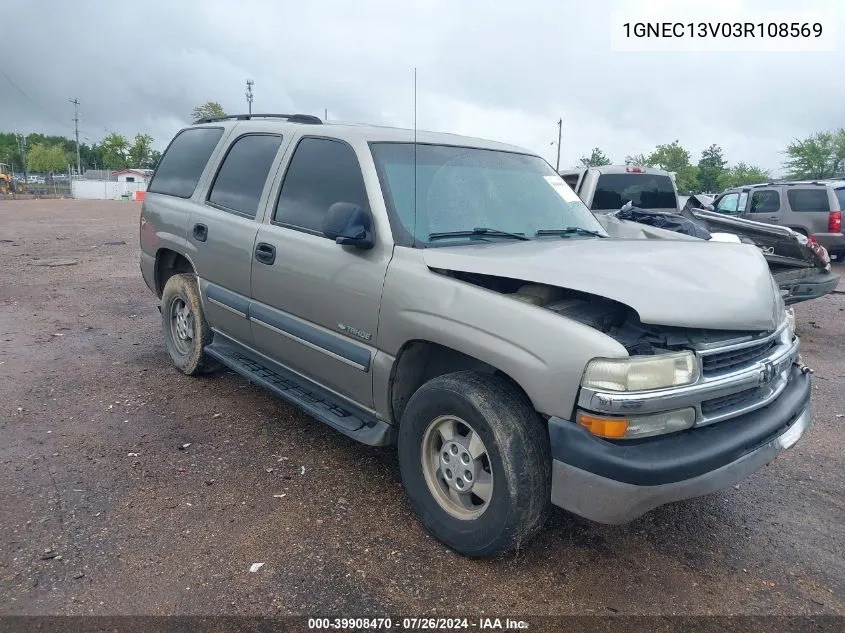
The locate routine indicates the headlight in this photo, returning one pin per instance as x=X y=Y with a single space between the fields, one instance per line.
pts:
x=641 y=373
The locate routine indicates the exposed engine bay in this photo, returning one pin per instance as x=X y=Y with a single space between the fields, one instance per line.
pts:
x=607 y=316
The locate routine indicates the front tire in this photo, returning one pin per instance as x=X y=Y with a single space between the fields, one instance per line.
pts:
x=475 y=463
x=186 y=330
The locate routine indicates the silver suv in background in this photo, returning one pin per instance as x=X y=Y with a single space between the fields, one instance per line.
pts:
x=454 y=297
x=813 y=208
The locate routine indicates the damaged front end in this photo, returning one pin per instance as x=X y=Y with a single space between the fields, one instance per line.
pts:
x=799 y=265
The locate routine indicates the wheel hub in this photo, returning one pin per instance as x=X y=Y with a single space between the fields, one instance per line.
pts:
x=182 y=320
x=456 y=467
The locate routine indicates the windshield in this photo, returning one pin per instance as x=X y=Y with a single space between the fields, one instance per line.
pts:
x=646 y=191
x=461 y=189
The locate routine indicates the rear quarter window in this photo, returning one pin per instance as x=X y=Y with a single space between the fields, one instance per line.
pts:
x=840 y=196
x=809 y=200
x=184 y=160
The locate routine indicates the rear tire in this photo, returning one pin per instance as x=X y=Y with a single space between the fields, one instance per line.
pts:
x=475 y=463
x=186 y=330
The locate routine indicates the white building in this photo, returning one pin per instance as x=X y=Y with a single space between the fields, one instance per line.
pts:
x=123 y=184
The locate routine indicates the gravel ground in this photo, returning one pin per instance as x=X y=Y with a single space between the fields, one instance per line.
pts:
x=103 y=512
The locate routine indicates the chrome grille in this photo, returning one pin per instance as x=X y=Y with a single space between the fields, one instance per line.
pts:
x=735 y=400
x=722 y=362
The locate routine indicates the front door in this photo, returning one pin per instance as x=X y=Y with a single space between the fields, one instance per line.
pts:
x=764 y=205
x=315 y=303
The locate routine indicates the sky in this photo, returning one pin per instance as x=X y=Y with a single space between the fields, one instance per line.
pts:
x=501 y=70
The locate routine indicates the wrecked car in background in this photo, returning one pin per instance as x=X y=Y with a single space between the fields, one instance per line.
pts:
x=454 y=297
x=800 y=265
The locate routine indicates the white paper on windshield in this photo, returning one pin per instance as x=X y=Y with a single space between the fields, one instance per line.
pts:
x=562 y=189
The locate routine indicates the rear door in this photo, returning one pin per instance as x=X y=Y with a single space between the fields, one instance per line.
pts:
x=223 y=227
x=764 y=205
x=315 y=303
x=809 y=209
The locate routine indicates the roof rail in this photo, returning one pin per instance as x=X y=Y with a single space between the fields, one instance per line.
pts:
x=292 y=118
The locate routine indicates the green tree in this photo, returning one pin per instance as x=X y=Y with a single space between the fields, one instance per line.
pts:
x=742 y=174
x=839 y=151
x=672 y=157
x=140 y=152
x=813 y=157
x=208 y=109
x=47 y=159
x=711 y=166
x=596 y=159
x=155 y=157
x=641 y=160
x=10 y=151
x=115 y=151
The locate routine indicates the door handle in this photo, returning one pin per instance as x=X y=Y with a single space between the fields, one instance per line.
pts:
x=200 y=232
x=774 y=218
x=265 y=253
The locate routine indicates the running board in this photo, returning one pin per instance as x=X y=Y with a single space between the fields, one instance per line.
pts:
x=319 y=403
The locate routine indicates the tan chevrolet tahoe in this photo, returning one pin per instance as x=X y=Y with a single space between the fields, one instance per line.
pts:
x=454 y=297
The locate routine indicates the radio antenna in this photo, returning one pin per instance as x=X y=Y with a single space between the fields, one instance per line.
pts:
x=415 y=156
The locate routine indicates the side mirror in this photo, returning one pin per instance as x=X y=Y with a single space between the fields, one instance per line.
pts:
x=349 y=225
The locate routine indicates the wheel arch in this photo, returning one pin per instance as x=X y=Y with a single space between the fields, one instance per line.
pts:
x=420 y=360
x=169 y=262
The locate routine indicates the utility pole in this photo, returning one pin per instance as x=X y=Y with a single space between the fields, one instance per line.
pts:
x=325 y=114
x=249 y=84
x=559 y=133
x=22 y=146
x=75 y=103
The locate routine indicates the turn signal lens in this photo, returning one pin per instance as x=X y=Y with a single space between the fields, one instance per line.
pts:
x=639 y=425
x=603 y=427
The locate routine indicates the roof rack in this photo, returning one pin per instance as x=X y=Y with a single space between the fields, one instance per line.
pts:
x=292 y=118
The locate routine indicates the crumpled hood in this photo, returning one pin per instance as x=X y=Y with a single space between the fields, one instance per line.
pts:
x=691 y=283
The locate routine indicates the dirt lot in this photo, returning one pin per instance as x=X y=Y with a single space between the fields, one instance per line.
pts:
x=93 y=417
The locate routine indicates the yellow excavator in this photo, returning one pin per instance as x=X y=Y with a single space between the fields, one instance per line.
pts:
x=8 y=184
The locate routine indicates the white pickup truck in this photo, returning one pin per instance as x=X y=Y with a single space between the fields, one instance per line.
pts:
x=800 y=266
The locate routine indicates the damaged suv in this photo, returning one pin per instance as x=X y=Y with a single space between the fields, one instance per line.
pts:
x=454 y=297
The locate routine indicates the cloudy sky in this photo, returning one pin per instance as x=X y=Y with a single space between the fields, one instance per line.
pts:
x=496 y=69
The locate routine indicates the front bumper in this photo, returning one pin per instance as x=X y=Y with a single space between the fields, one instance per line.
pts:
x=810 y=287
x=616 y=482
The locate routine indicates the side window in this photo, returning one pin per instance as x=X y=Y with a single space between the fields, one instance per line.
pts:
x=321 y=172
x=728 y=203
x=181 y=166
x=240 y=179
x=571 y=180
x=766 y=201
x=809 y=200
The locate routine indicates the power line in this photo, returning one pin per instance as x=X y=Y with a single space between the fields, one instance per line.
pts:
x=31 y=100
x=37 y=105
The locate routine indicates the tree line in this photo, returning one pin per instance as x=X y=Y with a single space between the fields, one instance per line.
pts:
x=42 y=153
x=57 y=154
x=819 y=156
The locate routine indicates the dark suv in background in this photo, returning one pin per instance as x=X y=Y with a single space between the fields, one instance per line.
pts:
x=813 y=208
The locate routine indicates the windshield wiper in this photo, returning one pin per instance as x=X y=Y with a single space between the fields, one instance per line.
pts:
x=479 y=230
x=570 y=230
